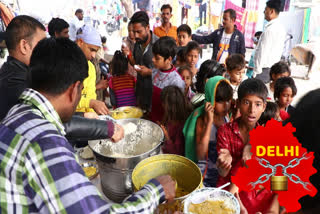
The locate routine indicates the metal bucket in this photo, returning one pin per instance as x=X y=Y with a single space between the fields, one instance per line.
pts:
x=184 y=171
x=115 y=171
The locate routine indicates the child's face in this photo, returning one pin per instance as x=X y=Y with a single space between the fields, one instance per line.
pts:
x=179 y=63
x=236 y=76
x=277 y=117
x=160 y=63
x=185 y=74
x=192 y=58
x=285 y=98
x=277 y=76
x=130 y=32
x=222 y=108
x=183 y=38
x=251 y=107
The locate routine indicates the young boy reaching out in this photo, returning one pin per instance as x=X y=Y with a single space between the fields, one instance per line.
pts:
x=233 y=138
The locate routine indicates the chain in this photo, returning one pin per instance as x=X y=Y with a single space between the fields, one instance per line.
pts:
x=265 y=164
x=260 y=180
x=297 y=160
x=294 y=178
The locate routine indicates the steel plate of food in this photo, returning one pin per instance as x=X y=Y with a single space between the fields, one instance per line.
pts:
x=212 y=201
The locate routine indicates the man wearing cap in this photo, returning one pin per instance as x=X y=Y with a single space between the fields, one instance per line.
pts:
x=75 y=24
x=88 y=39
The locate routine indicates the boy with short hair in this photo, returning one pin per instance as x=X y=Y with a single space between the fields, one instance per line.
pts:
x=233 y=138
x=164 y=74
x=184 y=35
x=236 y=65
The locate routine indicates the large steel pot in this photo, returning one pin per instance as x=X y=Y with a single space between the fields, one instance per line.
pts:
x=115 y=171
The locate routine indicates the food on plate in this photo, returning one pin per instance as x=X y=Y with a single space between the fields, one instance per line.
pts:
x=212 y=206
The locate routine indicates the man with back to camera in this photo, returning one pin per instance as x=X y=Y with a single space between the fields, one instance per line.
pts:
x=271 y=44
x=38 y=164
x=227 y=40
x=58 y=28
x=76 y=23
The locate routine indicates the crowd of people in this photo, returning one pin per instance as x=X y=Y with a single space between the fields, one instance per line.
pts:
x=53 y=89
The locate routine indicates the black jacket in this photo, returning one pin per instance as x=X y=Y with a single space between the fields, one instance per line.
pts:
x=144 y=83
x=15 y=77
x=83 y=129
x=237 y=44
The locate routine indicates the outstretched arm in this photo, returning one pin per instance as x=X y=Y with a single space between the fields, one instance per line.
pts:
x=204 y=39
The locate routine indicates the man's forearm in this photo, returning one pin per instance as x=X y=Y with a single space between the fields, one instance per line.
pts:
x=144 y=201
x=203 y=39
x=83 y=129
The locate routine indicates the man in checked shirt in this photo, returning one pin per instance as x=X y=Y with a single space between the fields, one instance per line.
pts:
x=38 y=169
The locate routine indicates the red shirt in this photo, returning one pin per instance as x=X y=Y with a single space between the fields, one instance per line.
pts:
x=228 y=137
x=284 y=115
x=176 y=143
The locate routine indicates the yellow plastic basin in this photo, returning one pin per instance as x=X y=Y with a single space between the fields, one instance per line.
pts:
x=184 y=171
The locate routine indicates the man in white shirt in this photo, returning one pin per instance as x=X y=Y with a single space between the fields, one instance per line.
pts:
x=75 y=24
x=95 y=17
x=271 y=43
